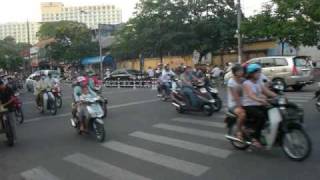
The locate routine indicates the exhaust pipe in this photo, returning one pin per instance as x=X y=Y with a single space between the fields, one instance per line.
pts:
x=231 y=138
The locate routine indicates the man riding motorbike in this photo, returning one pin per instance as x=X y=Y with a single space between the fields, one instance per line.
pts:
x=254 y=100
x=6 y=101
x=235 y=94
x=187 y=88
x=166 y=78
x=42 y=85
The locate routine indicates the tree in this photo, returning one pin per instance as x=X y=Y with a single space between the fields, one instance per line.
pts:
x=286 y=20
x=72 y=40
x=10 y=59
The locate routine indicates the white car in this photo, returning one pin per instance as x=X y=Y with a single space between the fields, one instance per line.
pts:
x=30 y=81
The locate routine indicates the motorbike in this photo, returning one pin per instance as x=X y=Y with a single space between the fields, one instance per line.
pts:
x=49 y=103
x=284 y=128
x=317 y=97
x=56 y=91
x=6 y=127
x=205 y=100
x=18 y=108
x=217 y=106
x=95 y=121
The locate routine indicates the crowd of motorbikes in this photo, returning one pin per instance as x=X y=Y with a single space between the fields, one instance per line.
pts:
x=284 y=128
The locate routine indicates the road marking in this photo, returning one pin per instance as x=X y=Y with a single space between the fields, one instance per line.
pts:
x=109 y=107
x=38 y=173
x=102 y=168
x=191 y=131
x=298 y=100
x=200 y=122
x=159 y=159
x=200 y=148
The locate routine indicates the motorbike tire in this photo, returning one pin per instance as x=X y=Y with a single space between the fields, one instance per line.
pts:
x=105 y=108
x=19 y=115
x=232 y=131
x=218 y=104
x=9 y=133
x=52 y=107
x=318 y=106
x=208 y=111
x=99 y=132
x=59 y=102
x=291 y=154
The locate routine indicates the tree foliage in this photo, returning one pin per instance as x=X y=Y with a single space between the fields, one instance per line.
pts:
x=10 y=57
x=72 y=40
x=291 y=21
x=163 y=27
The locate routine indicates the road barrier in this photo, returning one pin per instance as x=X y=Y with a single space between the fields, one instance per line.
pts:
x=143 y=83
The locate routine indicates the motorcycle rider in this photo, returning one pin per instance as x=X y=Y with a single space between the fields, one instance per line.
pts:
x=166 y=75
x=42 y=85
x=158 y=73
x=187 y=88
x=254 y=100
x=235 y=94
x=6 y=101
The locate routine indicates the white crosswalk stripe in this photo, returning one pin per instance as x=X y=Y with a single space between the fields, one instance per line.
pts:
x=191 y=131
x=200 y=122
x=200 y=148
x=102 y=168
x=156 y=158
x=38 y=173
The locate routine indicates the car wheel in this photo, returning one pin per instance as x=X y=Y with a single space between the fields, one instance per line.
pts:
x=280 y=82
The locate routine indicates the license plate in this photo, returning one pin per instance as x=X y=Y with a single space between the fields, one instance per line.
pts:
x=203 y=90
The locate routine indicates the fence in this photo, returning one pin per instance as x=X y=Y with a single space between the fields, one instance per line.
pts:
x=149 y=83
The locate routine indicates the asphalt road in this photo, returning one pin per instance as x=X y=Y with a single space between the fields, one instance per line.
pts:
x=147 y=139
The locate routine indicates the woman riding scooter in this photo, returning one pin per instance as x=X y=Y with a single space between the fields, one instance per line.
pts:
x=254 y=100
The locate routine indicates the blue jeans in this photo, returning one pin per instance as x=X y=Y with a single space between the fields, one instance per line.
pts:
x=166 y=86
x=188 y=92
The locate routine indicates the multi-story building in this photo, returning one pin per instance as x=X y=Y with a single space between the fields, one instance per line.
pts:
x=92 y=16
x=19 y=31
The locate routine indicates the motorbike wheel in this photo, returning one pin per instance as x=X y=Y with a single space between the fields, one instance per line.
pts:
x=218 y=104
x=9 y=133
x=99 y=132
x=105 y=108
x=233 y=132
x=19 y=116
x=318 y=104
x=52 y=107
x=296 y=144
x=59 y=102
x=208 y=109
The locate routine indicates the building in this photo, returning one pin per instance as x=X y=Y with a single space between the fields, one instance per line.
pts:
x=19 y=31
x=92 y=16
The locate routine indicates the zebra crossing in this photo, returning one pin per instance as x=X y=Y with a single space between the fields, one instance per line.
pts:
x=300 y=98
x=177 y=126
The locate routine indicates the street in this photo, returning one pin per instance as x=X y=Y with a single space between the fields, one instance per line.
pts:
x=147 y=139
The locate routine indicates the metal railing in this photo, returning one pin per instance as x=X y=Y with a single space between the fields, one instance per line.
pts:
x=145 y=83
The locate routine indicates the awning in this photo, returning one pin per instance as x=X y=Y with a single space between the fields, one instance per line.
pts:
x=96 y=60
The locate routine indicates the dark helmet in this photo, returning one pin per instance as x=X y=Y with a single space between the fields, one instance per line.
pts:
x=237 y=67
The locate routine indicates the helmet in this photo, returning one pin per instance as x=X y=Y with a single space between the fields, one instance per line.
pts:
x=237 y=67
x=252 y=68
x=81 y=79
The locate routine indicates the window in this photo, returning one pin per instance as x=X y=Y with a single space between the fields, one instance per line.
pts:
x=280 y=62
x=301 y=62
x=267 y=62
x=254 y=61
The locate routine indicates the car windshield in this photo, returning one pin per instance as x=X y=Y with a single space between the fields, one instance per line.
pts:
x=133 y=72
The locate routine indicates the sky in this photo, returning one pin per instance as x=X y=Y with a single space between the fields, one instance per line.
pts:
x=23 y=10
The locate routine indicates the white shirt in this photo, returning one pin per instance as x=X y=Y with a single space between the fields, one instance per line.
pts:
x=166 y=76
x=216 y=72
x=232 y=84
x=150 y=72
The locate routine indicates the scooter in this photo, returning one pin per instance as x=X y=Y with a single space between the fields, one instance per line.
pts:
x=17 y=103
x=95 y=121
x=283 y=128
x=56 y=91
x=217 y=106
x=205 y=100
x=49 y=103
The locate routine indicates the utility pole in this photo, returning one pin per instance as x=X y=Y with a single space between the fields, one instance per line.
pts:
x=239 y=32
x=100 y=49
x=29 y=55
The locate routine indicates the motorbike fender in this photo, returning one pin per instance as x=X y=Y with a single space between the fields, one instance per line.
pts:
x=95 y=111
x=275 y=118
